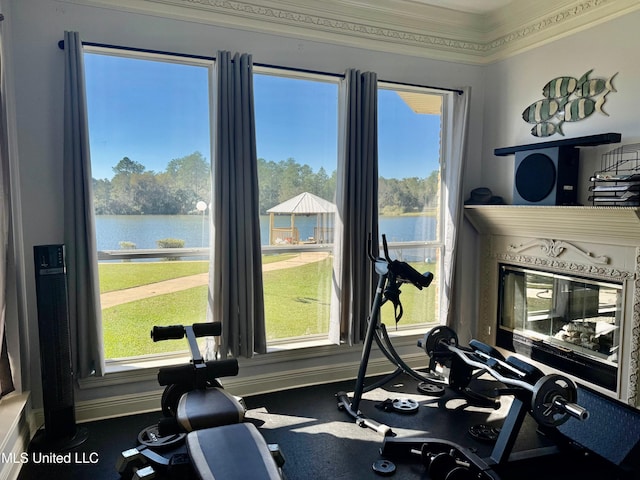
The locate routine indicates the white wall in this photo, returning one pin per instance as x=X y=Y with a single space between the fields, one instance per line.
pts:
x=515 y=83
x=38 y=25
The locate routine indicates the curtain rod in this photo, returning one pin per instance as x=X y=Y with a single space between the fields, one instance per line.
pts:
x=263 y=65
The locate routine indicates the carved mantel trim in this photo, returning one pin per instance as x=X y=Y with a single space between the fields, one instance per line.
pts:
x=555 y=248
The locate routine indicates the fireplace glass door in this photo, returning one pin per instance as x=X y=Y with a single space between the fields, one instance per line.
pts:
x=570 y=323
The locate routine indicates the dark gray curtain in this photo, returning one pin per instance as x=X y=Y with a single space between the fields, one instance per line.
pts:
x=6 y=381
x=236 y=297
x=357 y=207
x=79 y=226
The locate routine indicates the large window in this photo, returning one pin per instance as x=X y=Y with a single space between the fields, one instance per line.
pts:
x=150 y=152
x=297 y=137
x=409 y=133
x=150 y=140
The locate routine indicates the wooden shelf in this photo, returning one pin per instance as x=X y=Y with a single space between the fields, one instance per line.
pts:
x=607 y=225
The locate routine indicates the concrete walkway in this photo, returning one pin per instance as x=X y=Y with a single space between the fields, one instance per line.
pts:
x=111 y=299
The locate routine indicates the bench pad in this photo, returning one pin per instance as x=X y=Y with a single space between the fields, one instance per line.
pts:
x=207 y=408
x=231 y=452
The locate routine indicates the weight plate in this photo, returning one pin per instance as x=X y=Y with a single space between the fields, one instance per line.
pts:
x=545 y=391
x=384 y=468
x=438 y=336
x=170 y=398
x=460 y=473
x=441 y=465
x=150 y=437
x=405 y=405
x=484 y=433
x=428 y=388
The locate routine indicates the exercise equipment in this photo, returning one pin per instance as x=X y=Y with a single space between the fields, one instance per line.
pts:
x=552 y=397
x=202 y=430
x=384 y=468
x=391 y=275
x=549 y=399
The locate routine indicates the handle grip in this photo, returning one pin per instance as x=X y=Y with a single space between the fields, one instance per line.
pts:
x=171 y=332
x=176 y=332
x=184 y=374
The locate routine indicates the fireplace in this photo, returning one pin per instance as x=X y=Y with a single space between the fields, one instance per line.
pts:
x=565 y=321
x=561 y=287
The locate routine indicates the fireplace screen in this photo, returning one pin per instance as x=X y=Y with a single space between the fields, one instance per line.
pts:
x=567 y=322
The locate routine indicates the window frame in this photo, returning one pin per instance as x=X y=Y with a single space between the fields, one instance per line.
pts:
x=313 y=341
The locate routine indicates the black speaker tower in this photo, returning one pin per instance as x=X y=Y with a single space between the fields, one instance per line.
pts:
x=60 y=432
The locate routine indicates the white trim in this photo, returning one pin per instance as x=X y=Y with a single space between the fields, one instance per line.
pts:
x=394 y=26
x=15 y=433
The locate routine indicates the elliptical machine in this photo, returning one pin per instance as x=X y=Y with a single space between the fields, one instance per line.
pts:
x=391 y=275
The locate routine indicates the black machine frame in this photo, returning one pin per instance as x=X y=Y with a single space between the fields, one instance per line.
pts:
x=391 y=275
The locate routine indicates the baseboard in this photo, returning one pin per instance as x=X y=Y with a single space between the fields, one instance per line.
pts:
x=15 y=433
x=130 y=404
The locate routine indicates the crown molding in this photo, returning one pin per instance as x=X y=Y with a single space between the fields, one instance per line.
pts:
x=395 y=26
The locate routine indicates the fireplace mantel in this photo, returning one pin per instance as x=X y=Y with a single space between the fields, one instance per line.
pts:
x=607 y=225
x=594 y=242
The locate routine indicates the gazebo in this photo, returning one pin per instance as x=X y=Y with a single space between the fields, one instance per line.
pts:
x=304 y=204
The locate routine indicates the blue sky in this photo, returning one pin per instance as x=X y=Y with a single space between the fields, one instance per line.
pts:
x=153 y=112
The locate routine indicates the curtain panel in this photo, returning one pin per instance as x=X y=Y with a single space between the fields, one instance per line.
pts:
x=6 y=379
x=235 y=283
x=357 y=207
x=453 y=201
x=85 y=313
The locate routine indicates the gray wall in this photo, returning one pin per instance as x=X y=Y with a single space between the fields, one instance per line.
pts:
x=515 y=83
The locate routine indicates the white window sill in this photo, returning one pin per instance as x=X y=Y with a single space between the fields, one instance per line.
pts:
x=145 y=369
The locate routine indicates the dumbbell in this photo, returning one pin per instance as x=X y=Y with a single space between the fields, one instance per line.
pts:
x=130 y=460
x=133 y=460
x=276 y=454
x=144 y=473
x=443 y=465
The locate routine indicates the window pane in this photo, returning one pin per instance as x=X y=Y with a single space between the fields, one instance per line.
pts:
x=409 y=130
x=150 y=143
x=296 y=130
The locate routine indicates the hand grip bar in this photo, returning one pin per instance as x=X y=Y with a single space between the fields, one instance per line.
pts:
x=184 y=374
x=176 y=332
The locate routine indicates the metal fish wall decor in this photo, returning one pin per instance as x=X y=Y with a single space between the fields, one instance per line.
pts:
x=567 y=99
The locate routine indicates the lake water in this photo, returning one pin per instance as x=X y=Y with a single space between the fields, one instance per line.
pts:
x=145 y=230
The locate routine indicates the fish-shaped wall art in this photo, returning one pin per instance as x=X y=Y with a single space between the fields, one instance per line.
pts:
x=546 y=129
x=567 y=99
x=596 y=86
x=542 y=110
x=564 y=86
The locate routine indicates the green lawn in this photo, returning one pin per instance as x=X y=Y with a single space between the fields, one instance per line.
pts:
x=296 y=303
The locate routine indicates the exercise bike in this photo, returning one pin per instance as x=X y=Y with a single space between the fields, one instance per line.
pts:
x=391 y=275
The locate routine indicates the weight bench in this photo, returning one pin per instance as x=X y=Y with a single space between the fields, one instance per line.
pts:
x=199 y=412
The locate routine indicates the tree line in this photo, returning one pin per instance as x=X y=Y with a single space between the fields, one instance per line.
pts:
x=134 y=190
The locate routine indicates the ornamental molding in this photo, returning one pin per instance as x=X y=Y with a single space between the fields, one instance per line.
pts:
x=554 y=264
x=555 y=248
x=394 y=26
x=634 y=364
